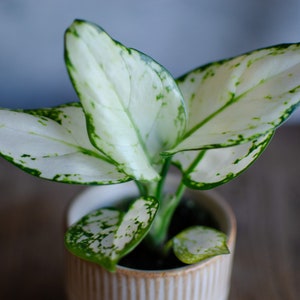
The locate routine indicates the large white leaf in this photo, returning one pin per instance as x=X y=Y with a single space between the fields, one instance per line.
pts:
x=53 y=144
x=205 y=169
x=232 y=101
x=106 y=235
x=133 y=105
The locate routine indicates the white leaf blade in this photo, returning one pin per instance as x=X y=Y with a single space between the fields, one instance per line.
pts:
x=135 y=224
x=133 y=115
x=197 y=243
x=106 y=235
x=59 y=152
x=218 y=166
x=92 y=237
x=233 y=101
x=71 y=117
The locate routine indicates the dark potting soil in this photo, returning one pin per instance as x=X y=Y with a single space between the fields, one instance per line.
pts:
x=187 y=214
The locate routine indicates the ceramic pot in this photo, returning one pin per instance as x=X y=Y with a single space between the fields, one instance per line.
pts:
x=207 y=280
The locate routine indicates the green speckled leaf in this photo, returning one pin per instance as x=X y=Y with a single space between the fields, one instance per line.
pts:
x=106 y=235
x=197 y=243
x=206 y=169
x=53 y=144
x=133 y=105
x=233 y=101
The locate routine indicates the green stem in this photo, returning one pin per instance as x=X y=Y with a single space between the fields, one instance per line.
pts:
x=160 y=228
x=142 y=189
x=180 y=191
x=168 y=204
x=163 y=176
x=158 y=234
x=195 y=161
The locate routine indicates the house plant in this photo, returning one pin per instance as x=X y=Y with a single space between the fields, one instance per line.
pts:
x=134 y=121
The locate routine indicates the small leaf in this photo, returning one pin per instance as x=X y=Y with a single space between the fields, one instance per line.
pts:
x=133 y=106
x=106 y=235
x=53 y=144
x=197 y=243
x=206 y=169
x=233 y=101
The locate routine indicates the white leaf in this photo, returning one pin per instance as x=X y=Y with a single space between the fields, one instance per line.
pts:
x=205 y=169
x=233 y=101
x=133 y=105
x=53 y=144
x=106 y=235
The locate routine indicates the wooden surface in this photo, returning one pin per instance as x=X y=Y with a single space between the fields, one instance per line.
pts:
x=266 y=200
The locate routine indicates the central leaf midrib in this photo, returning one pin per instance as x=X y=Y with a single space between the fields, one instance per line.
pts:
x=211 y=116
x=125 y=109
x=128 y=114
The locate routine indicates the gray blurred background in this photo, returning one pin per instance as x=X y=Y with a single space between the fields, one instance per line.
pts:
x=180 y=34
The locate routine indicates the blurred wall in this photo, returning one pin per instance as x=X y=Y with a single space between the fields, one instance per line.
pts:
x=180 y=34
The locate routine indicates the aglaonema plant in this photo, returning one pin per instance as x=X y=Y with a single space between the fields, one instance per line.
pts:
x=134 y=120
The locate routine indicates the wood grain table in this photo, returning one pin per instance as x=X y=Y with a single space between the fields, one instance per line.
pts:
x=266 y=200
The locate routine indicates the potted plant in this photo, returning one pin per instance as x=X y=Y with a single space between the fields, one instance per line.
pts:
x=133 y=122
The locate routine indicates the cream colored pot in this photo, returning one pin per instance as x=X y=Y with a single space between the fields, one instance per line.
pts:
x=208 y=280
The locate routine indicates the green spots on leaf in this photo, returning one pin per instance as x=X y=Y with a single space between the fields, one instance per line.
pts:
x=249 y=63
x=197 y=243
x=209 y=73
x=28 y=156
x=256 y=118
x=104 y=236
x=193 y=95
x=168 y=89
x=294 y=90
x=160 y=96
x=238 y=139
x=268 y=97
x=154 y=87
x=22 y=165
x=236 y=65
x=56 y=114
x=43 y=121
x=93 y=105
x=69 y=178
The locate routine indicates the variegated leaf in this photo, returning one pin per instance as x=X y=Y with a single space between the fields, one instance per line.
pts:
x=134 y=108
x=206 y=169
x=233 y=101
x=106 y=235
x=197 y=243
x=53 y=144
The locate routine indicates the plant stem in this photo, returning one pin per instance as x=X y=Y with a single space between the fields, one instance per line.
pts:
x=163 y=176
x=142 y=189
x=168 y=204
x=180 y=191
x=159 y=231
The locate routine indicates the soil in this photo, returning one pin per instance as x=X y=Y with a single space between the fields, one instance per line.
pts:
x=188 y=214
